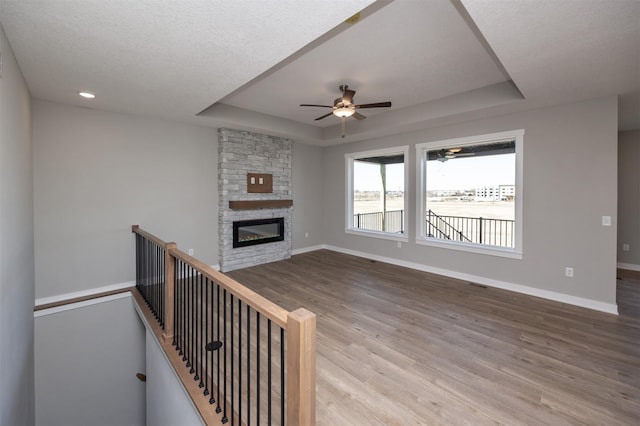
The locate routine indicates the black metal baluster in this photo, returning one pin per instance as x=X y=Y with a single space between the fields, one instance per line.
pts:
x=176 y=303
x=206 y=337
x=157 y=286
x=282 y=390
x=211 y=312
x=185 y=324
x=151 y=286
x=196 y=325
x=177 y=306
x=218 y=409
x=150 y=274
x=191 y=322
x=137 y=262
x=269 y=372
x=144 y=272
x=142 y=266
x=203 y=331
x=154 y=272
x=185 y=311
x=214 y=338
x=233 y=371
x=148 y=280
x=225 y=419
x=239 y=361
x=163 y=286
x=248 y=365
x=258 y=377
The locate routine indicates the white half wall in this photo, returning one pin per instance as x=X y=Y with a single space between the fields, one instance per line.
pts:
x=86 y=362
x=97 y=173
x=167 y=400
x=570 y=182
x=16 y=244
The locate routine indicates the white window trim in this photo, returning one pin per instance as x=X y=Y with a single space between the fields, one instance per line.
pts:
x=349 y=158
x=421 y=153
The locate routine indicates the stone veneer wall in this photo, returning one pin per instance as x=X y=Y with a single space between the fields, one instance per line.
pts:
x=241 y=153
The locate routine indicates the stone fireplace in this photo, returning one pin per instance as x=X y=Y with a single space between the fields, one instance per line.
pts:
x=248 y=222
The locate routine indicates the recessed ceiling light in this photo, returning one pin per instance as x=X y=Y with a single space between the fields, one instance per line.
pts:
x=87 y=95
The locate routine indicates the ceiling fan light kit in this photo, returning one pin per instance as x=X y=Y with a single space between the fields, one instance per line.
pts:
x=344 y=111
x=344 y=107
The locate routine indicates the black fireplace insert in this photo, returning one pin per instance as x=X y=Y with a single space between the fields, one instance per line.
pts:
x=260 y=231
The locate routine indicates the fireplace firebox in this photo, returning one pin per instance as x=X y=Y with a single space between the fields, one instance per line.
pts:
x=260 y=231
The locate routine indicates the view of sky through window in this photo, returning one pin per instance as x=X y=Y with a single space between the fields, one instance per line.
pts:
x=366 y=177
x=472 y=172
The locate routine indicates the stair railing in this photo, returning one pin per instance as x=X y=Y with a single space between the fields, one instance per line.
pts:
x=250 y=359
x=449 y=229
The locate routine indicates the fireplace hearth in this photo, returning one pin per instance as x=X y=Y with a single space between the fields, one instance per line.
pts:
x=260 y=231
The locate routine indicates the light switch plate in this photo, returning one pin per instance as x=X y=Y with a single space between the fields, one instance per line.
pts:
x=606 y=220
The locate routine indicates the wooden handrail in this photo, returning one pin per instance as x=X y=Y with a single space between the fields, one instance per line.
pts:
x=261 y=304
x=136 y=230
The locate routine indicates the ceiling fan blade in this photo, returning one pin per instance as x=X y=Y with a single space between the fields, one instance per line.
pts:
x=358 y=116
x=324 y=116
x=347 y=96
x=375 y=105
x=314 y=105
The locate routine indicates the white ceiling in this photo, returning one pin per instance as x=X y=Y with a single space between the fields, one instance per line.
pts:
x=255 y=61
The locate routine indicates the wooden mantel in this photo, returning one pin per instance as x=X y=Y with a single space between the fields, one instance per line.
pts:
x=259 y=204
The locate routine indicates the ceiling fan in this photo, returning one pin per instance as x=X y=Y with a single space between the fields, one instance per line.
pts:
x=451 y=153
x=344 y=107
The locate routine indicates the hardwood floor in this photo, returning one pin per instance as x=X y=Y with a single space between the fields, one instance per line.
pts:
x=403 y=347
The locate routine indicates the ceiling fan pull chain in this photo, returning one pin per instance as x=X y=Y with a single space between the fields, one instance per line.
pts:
x=344 y=120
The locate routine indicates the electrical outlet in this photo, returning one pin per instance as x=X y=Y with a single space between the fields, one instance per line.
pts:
x=399 y=244
x=306 y=235
x=568 y=272
x=626 y=247
x=190 y=252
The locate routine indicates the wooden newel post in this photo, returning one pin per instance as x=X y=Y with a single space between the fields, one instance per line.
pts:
x=169 y=276
x=301 y=368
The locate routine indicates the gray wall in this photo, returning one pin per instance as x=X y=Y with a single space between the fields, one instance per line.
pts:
x=629 y=197
x=570 y=181
x=86 y=363
x=97 y=173
x=16 y=245
x=307 y=185
x=168 y=402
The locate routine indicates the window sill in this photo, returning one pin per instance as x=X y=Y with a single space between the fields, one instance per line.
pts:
x=472 y=248
x=377 y=234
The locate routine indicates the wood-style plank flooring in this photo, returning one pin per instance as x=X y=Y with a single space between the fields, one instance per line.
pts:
x=402 y=347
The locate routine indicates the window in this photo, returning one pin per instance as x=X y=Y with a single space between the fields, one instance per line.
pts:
x=376 y=202
x=469 y=194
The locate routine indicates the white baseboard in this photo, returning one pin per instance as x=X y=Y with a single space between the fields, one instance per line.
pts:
x=308 y=249
x=518 y=288
x=628 y=266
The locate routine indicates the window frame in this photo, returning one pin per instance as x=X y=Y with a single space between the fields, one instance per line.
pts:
x=349 y=193
x=421 y=167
